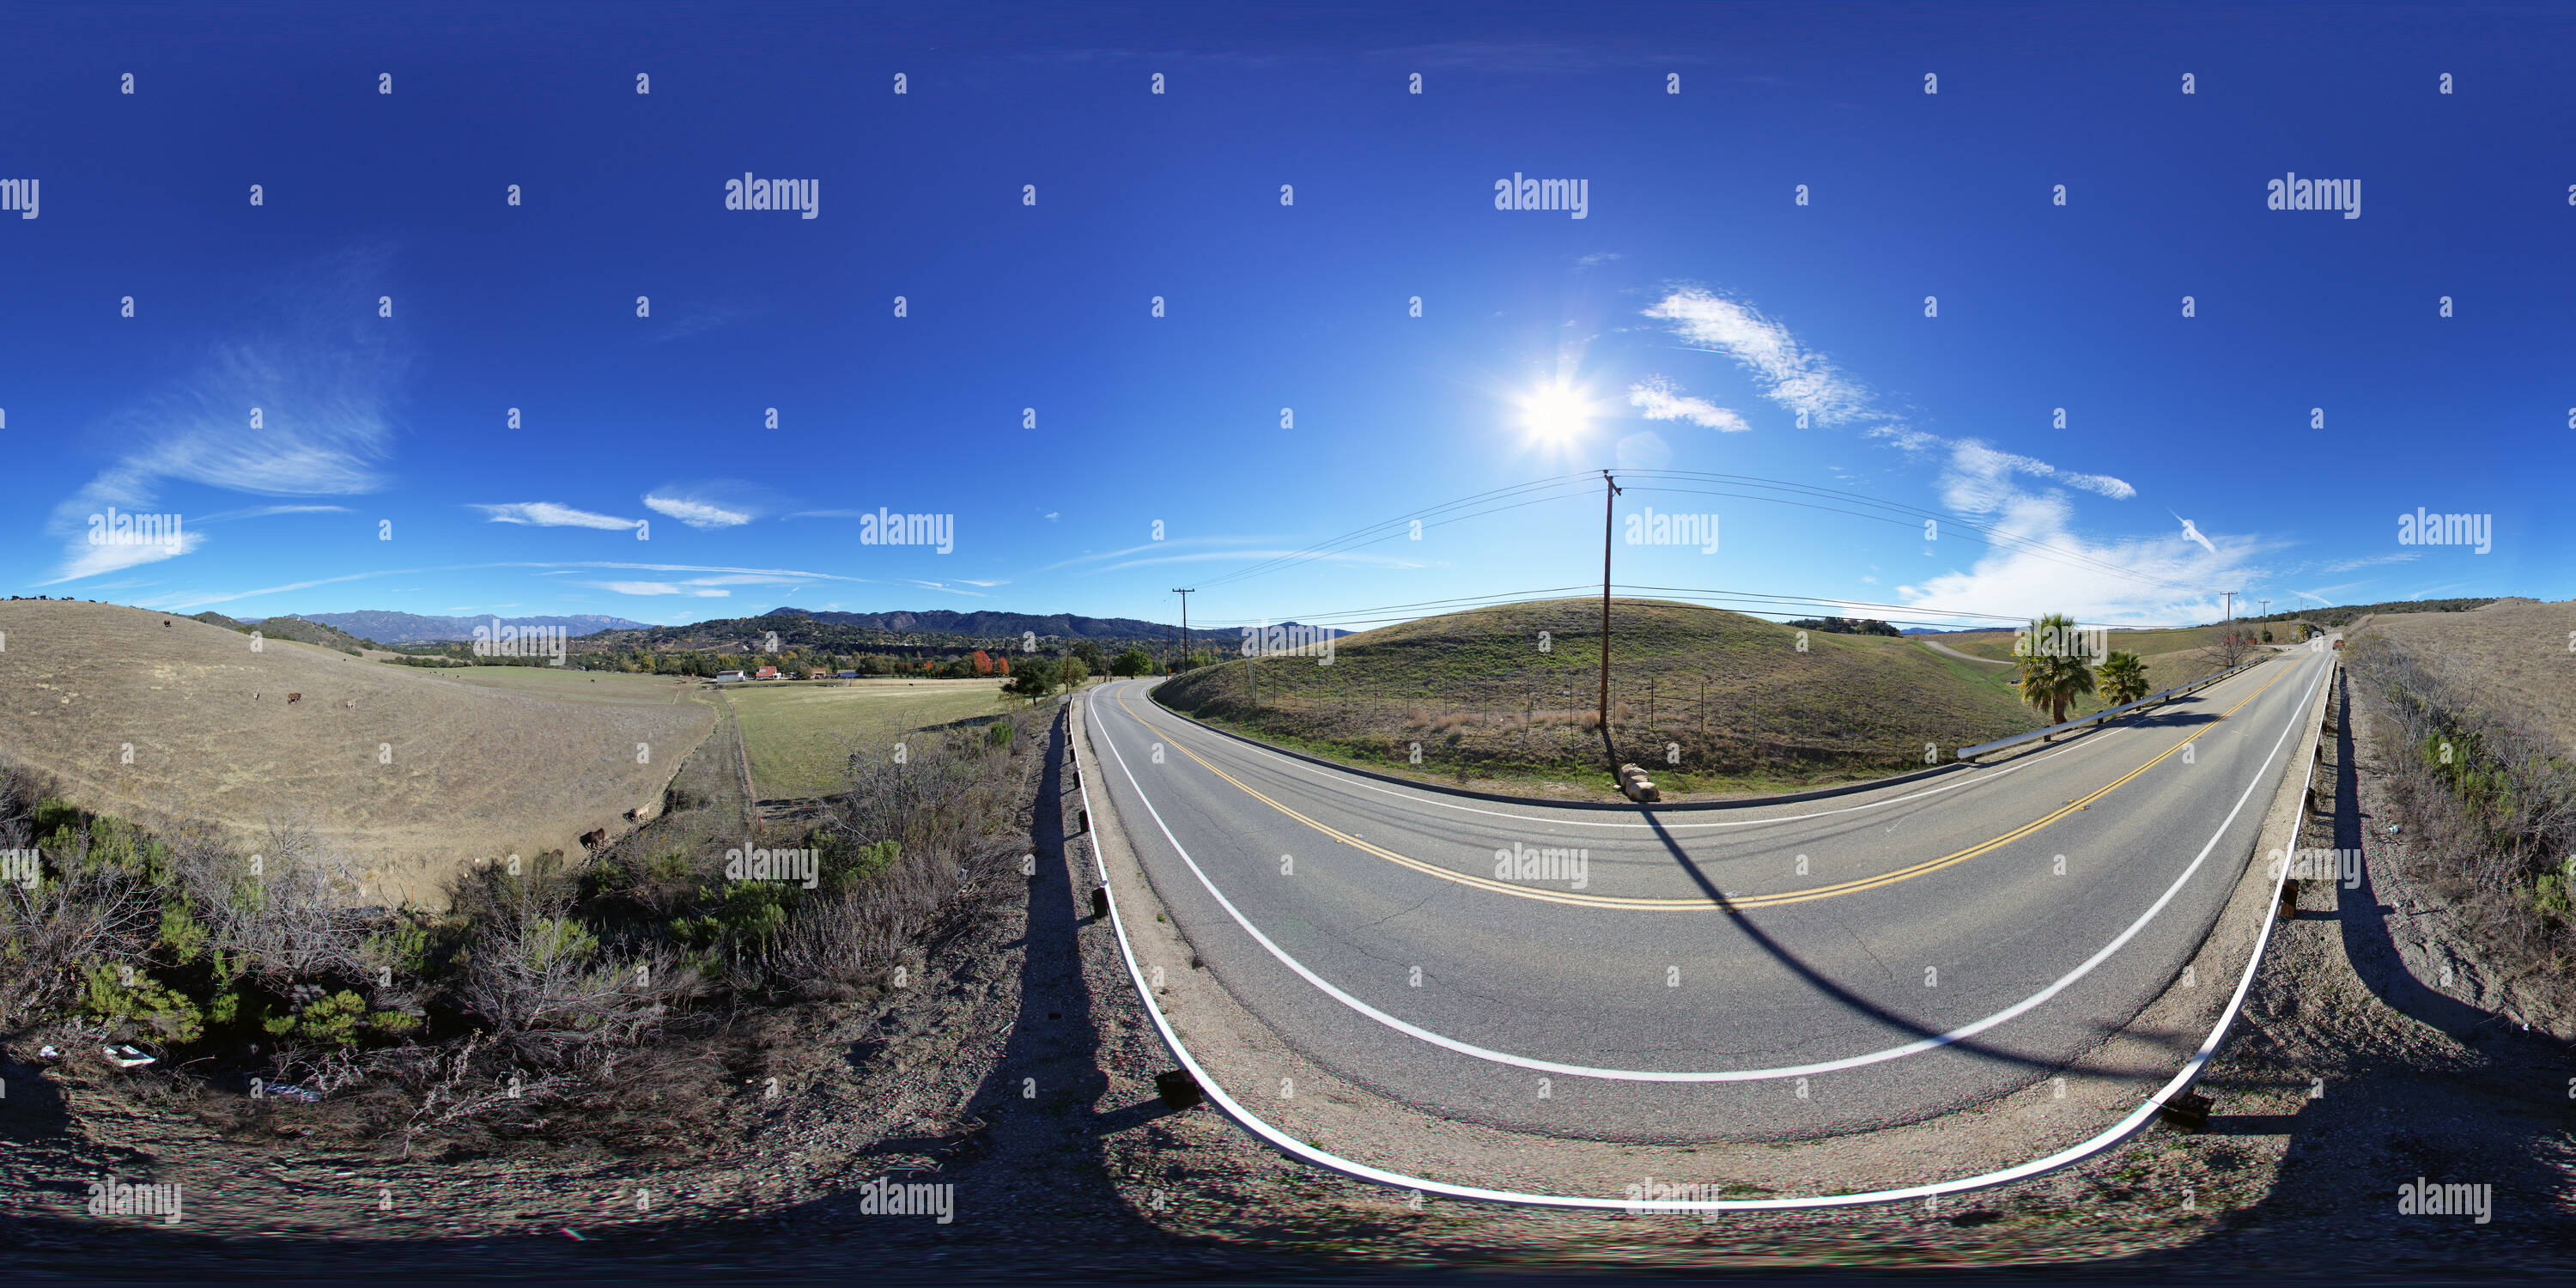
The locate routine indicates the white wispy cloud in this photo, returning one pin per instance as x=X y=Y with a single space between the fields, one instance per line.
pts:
x=323 y=388
x=657 y=588
x=81 y=559
x=711 y=503
x=1977 y=479
x=1789 y=373
x=547 y=514
x=2373 y=561
x=267 y=511
x=1662 y=400
x=1979 y=476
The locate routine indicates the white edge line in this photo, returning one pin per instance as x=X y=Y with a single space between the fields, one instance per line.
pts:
x=2113 y=1135
x=1536 y=1065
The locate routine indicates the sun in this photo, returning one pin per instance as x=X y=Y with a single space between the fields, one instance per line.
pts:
x=1555 y=414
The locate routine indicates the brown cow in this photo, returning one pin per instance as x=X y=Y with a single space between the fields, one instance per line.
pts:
x=293 y=698
x=590 y=840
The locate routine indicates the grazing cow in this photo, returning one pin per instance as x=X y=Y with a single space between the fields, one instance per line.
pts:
x=590 y=840
x=165 y=623
x=630 y=816
x=293 y=698
x=351 y=704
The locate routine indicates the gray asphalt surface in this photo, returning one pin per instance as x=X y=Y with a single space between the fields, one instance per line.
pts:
x=1769 y=973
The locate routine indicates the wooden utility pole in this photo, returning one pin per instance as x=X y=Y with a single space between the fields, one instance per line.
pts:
x=1185 y=619
x=1609 y=495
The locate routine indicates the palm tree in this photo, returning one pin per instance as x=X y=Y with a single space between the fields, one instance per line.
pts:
x=2052 y=673
x=2124 y=679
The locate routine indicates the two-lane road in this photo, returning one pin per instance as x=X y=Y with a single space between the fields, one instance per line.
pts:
x=1770 y=972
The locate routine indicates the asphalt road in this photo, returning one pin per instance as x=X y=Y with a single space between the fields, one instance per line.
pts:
x=1769 y=973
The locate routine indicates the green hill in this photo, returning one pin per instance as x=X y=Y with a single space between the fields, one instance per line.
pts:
x=1747 y=710
x=296 y=628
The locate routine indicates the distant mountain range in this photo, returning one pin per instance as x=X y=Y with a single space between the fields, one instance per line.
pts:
x=941 y=621
x=413 y=628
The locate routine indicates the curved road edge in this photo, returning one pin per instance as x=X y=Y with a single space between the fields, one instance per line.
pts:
x=2280 y=829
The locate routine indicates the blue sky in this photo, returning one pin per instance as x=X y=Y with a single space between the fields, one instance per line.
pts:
x=1692 y=314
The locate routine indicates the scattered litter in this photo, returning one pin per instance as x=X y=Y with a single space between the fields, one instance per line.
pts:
x=573 y=1234
x=283 y=1091
x=126 y=1057
x=2392 y=828
x=48 y=1053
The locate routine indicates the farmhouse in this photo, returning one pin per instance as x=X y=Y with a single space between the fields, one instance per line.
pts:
x=818 y=675
x=846 y=675
x=730 y=677
x=765 y=673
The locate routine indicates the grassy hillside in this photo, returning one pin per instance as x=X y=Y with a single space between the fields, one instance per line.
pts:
x=1747 y=710
x=800 y=737
x=302 y=631
x=2172 y=656
x=150 y=718
x=2512 y=655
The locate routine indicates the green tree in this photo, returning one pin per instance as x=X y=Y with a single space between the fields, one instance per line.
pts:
x=1071 y=672
x=1033 y=678
x=1134 y=661
x=2124 y=678
x=1094 y=662
x=2053 y=673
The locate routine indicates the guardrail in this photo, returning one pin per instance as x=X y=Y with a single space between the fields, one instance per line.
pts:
x=1971 y=753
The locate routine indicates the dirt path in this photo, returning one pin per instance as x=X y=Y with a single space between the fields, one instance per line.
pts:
x=1964 y=657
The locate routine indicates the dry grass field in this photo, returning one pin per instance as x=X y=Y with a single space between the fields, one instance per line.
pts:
x=411 y=772
x=2517 y=654
x=2172 y=656
x=800 y=735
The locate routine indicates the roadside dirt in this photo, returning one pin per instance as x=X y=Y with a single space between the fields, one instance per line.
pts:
x=1018 y=1068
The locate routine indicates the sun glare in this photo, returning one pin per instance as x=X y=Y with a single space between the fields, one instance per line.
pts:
x=1555 y=414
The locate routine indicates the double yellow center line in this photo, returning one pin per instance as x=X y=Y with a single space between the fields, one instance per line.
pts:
x=1731 y=903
